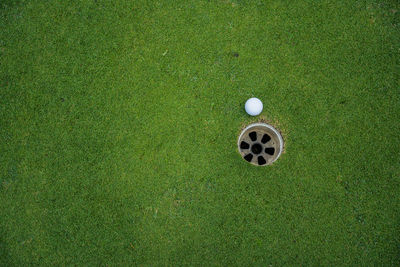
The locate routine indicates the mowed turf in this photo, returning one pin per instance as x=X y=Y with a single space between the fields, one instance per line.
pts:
x=119 y=122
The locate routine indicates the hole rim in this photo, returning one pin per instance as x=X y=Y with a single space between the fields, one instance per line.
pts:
x=276 y=142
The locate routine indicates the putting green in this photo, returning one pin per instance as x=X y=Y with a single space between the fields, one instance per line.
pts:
x=119 y=123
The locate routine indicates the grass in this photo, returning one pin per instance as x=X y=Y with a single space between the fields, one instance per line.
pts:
x=119 y=122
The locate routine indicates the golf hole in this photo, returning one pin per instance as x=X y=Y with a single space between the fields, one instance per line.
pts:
x=260 y=144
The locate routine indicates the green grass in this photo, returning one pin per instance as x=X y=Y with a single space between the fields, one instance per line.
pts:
x=119 y=122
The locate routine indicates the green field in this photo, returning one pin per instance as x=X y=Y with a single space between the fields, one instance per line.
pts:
x=119 y=123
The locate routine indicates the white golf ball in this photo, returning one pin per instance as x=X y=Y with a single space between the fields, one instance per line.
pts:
x=253 y=106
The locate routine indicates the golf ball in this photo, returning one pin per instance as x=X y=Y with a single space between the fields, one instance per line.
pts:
x=253 y=106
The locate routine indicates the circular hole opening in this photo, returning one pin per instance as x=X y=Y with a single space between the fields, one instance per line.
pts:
x=260 y=144
x=256 y=148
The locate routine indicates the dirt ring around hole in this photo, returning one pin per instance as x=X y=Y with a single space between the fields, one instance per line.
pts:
x=260 y=144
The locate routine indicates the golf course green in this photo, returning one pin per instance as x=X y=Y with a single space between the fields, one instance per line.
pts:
x=119 y=123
